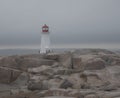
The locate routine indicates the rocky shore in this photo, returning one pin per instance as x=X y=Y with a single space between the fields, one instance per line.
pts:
x=85 y=73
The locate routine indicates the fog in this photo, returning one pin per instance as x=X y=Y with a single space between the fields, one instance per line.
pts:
x=73 y=23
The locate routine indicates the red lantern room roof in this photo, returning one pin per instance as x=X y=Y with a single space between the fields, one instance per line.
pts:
x=45 y=26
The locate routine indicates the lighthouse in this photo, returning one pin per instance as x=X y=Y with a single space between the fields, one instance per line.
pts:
x=45 y=39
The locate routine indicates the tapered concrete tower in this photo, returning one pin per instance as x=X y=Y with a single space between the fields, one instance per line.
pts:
x=45 y=39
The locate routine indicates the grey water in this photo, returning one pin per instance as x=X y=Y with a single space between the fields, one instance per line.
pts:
x=9 y=52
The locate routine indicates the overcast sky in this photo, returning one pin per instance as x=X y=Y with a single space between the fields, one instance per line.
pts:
x=73 y=23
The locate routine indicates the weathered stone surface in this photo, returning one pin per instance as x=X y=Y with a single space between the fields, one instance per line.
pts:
x=113 y=74
x=76 y=80
x=77 y=63
x=95 y=64
x=11 y=62
x=30 y=63
x=109 y=87
x=112 y=94
x=91 y=96
x=8 y=75
x=58 y=97
x=63 y=71
x=56 y=92
x=55 y=83
x=22 y=63
x=37 y=70
x=65 y=60
x=66 y=84
x=5 y=93
x=110 y=59
x=22 y=80
x=37 y=86
x=96 y=79
x=37 y=78
x=23 y=95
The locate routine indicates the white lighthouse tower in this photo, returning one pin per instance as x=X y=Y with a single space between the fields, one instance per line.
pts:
x=45 y=40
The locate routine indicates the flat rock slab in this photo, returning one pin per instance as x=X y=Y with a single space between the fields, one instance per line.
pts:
x=8 y=75
x=58 y=97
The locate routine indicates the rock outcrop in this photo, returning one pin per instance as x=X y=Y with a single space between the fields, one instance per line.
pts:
x=86 y=73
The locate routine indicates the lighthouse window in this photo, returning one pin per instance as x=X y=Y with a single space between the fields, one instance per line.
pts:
x=43 y=28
